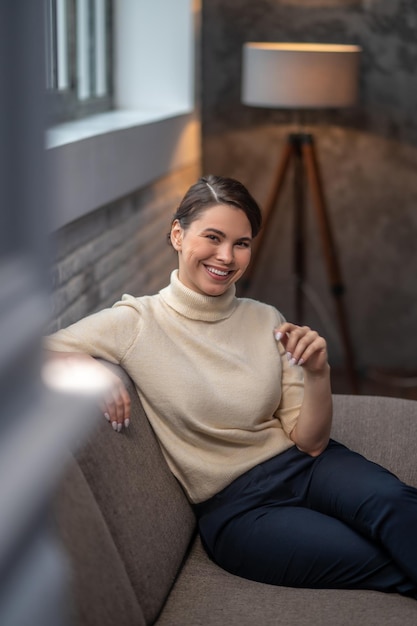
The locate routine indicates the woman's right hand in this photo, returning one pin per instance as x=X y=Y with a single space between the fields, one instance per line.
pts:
x=115 y=400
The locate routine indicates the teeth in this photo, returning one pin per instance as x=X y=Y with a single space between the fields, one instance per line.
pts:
x=218 y=272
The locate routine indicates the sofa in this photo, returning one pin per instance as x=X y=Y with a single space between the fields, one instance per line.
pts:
x=135 y=557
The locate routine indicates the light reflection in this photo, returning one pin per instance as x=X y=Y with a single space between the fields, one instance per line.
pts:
x=77 y=378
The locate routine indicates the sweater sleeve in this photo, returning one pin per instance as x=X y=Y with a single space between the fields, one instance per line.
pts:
x=107 y=334
x=292 y=390
x=292 y=393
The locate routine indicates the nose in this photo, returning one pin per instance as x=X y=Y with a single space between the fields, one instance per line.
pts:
x=225 y=253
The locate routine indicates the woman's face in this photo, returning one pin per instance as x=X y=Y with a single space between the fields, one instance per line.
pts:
x=214 y=251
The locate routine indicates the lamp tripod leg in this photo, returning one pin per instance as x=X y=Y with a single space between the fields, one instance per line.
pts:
x=271 y=202
x=299 y=244
x=330 y=253
x=279 y=179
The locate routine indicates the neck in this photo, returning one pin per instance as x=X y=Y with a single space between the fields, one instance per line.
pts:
x=198 y=306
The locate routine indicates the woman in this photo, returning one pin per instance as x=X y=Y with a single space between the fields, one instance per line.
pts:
x=240 y=401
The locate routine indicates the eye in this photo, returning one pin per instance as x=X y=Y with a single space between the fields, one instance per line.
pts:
x=243 y=244
x=212 y=237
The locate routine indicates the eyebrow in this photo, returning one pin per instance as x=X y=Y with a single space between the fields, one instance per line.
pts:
x=222 y=234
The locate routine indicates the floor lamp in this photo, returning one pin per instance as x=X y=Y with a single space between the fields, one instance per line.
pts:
x=298 y=77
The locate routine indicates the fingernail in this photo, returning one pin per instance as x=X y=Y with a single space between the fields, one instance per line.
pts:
x=289 y=356
x=127 y=422
x=107 y=416
x=114 y=424
x=293 y=362
x=278 y=335
x=119 y=427
x=301 y=361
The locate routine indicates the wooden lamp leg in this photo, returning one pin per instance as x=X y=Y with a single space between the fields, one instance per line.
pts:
x=299 y=242
x=329 y=251
x=271 y=202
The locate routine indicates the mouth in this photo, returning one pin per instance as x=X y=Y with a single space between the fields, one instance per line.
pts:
x=217 y=273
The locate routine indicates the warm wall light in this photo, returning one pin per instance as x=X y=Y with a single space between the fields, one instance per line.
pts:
x=300 y=75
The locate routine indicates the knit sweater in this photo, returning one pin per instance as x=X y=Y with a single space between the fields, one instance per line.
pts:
x=215 y=384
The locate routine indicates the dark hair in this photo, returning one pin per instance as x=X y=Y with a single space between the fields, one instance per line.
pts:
x=211 y=190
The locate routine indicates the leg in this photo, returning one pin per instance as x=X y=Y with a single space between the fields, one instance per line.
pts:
x=301 y=521
x=369 y=499
x=298 y=547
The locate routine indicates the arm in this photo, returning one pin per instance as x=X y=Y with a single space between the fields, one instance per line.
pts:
x=307 y=349
x=114 y=401
x=107 y=335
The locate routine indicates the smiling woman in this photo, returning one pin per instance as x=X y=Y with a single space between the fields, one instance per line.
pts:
x=245 y=413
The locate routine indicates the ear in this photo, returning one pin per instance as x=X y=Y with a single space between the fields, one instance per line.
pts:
x=176 y=235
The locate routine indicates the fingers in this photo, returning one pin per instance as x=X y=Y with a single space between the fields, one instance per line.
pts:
x=303 y=346
x=116 y=406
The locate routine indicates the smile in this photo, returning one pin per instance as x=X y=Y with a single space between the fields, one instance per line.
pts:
x=217 y=272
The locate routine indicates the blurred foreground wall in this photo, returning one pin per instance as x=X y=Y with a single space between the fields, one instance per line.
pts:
x=36 y=425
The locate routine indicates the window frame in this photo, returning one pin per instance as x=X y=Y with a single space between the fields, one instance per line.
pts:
x=72 y=89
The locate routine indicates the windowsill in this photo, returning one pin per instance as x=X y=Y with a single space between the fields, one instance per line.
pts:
x=103 y=123
x=99 y=159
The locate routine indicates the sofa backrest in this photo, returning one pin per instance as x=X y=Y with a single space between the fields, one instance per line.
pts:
x=142 y=505
x=382 y=429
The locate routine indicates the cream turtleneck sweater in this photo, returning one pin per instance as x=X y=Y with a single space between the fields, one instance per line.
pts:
x=216 y=386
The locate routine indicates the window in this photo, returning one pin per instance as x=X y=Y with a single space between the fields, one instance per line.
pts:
x=78 y=58
x=154 y=127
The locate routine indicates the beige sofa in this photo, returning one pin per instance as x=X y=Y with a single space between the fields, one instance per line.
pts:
x=135 y=555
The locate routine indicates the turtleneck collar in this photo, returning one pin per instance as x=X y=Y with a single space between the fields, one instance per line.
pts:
x=197 y=306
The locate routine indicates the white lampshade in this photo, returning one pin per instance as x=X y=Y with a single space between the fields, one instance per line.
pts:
x=300 y=75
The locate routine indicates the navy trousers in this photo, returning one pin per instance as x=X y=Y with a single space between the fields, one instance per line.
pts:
x=333 y=521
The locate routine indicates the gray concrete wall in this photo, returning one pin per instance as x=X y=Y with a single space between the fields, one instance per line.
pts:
x=368 y=158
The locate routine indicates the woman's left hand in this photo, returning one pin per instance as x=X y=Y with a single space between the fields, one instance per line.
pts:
x=304 y=347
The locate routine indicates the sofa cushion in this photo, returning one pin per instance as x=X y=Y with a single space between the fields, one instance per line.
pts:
x=206 y=595
x=101 y=593
x=144 y=506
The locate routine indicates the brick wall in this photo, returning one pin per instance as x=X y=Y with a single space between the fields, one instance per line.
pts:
x=120 y=248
